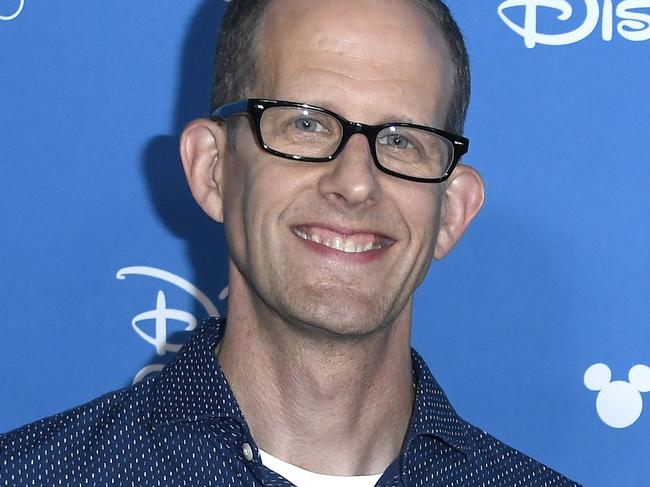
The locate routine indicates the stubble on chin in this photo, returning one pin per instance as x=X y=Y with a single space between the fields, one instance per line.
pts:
x=336 y=311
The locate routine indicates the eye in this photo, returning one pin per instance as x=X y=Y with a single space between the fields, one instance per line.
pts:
x=307 y=124
x=397 y=141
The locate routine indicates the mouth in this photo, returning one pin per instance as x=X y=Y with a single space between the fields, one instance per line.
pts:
x=348 y=242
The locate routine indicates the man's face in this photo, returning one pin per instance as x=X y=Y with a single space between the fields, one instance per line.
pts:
x=372 y=61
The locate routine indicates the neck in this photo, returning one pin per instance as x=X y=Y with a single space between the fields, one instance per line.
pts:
x=327 y=403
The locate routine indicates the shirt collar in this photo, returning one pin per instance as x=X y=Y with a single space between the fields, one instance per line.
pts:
x=433 y=414
x=193 y=387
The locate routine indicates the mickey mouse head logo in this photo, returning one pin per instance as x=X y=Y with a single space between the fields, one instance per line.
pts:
x=619 y=403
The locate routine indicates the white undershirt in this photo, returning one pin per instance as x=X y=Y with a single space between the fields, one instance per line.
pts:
x=304 y=478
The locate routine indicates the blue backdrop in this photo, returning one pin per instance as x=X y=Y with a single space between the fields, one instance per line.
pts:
x=106 y=259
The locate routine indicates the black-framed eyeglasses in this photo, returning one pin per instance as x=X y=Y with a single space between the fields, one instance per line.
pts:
x=309 y=133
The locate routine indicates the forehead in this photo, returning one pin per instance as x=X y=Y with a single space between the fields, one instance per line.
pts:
x=369 y=58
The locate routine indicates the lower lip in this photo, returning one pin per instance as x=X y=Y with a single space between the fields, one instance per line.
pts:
x=345 y=257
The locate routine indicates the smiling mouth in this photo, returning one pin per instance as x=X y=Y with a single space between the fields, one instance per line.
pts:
x=351 y=244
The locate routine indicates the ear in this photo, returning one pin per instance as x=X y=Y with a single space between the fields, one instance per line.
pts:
x=639 y=376
x=462 y=200
x=597 y=377
x=202 y=147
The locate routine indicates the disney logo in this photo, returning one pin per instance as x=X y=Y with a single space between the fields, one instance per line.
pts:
x=161 y=314
x=632 y=24
x=619 y=403
x=12 y=16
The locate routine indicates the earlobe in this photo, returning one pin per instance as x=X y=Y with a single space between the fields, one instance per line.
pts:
x=462 y=200
x=202 y=146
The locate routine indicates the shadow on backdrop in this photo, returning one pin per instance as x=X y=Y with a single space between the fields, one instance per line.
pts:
x=204 y=239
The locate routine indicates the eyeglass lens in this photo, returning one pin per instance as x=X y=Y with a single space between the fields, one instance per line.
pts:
x=298 y=131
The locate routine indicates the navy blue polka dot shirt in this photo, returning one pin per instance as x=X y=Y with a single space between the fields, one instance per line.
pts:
x=185 y=428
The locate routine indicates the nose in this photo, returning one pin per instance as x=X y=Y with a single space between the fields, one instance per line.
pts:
x=352 y=178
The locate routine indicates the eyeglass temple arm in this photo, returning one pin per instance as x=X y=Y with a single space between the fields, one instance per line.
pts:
x=226 y=111
x=461 y=147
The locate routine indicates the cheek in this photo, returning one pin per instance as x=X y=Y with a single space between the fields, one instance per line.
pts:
x=423 y=213
x=234 y=193
x=239 y=195
x=257 y=190
x=421 y=208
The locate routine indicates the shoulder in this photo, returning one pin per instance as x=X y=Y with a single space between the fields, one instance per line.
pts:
x=463 y=454
x=122 y=410
x=498 y=460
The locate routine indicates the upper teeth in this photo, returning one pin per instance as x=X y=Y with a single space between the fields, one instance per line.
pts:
x=339 y=243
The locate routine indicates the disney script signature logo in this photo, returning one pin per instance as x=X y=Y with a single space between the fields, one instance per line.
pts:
x=632 y=24
x=12 y=16
x=161 y=314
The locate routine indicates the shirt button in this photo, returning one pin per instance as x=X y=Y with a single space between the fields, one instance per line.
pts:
x=247 y=451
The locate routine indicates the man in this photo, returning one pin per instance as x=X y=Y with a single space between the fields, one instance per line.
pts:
x=331 y=160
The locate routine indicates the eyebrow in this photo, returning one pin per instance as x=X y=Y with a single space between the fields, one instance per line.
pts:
x=382 y=120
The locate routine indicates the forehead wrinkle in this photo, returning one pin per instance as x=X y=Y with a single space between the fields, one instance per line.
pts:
x=347 y=74
x=344 y=57
x=364 y=53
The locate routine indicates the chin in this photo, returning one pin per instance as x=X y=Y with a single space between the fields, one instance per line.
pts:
x=343 y=318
